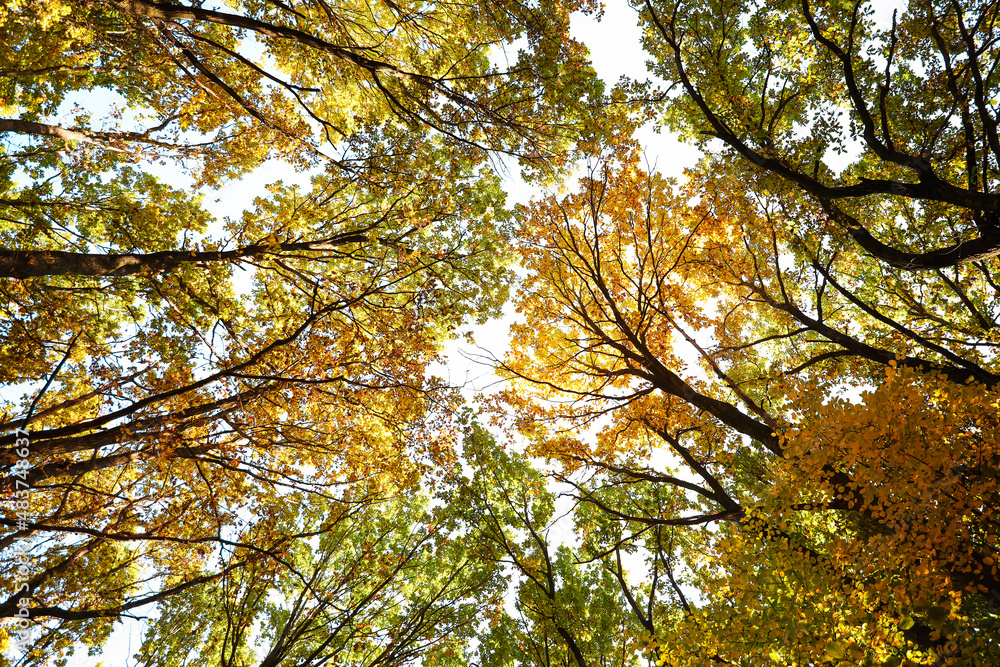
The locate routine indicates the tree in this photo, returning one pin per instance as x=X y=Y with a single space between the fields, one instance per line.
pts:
x=172 y=418
x=910 y=104
x=836 y=441
x=832 y=442
x=314 y=382
x=385 y=583
x=566 y=612
x=232 y=88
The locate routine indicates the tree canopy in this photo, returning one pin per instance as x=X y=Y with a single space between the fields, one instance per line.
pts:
x=749 y=416
x=833 y=480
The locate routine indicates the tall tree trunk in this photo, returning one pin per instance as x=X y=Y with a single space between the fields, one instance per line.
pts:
x=28 y=263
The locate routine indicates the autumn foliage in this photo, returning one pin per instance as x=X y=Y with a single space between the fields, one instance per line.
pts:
x=833 y=486
x=749 y=416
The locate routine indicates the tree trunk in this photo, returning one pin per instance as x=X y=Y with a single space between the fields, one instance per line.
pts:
x=29 y=263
